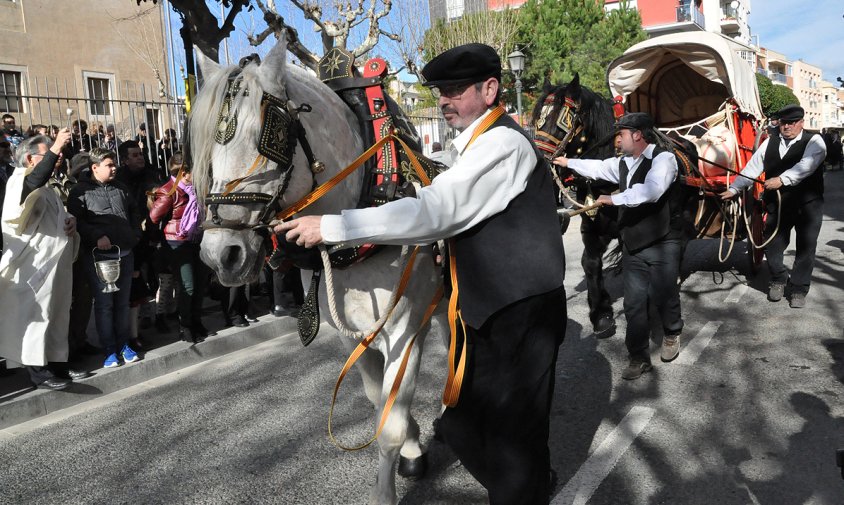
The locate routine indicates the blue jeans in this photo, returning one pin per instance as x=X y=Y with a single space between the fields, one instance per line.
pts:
x=650 y=274
x=111 y=310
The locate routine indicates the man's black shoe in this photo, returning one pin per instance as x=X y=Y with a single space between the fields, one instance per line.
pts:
x=250 y=319
x=76 y=375
x=55 y=384
x=240 y=322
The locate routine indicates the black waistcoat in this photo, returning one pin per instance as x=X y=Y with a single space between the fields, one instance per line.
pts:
x=648 y=223
x=514 y=254
x=810 y=188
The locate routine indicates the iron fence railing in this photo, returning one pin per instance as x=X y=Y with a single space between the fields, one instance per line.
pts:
x=102 y=104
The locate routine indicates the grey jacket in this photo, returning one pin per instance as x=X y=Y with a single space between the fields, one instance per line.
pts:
x=104 y=209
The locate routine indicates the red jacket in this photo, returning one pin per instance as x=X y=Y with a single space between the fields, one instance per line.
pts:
x=169 y=205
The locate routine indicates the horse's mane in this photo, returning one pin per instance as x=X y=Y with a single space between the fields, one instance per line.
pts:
x=203 y=121
x=597 y=115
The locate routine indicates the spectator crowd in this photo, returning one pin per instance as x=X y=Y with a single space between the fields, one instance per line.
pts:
x=74 y=203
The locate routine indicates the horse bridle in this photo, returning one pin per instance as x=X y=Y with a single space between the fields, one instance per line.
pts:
x=568 y=120
x=281 y=129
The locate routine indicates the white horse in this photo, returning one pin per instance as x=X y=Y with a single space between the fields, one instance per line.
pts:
x=362 y=291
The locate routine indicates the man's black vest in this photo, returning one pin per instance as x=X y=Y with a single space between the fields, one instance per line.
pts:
x=810 y=188
x=514 y=254
x=648 y=223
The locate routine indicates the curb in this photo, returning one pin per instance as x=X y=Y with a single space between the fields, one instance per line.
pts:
x=156 y=362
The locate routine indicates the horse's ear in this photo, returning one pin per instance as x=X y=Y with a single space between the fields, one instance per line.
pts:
x=273 y=65
x=207 y=66
x=546 y=84
x=574 y=87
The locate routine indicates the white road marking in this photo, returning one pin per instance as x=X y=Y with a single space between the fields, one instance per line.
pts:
x=600 y=463
x=736 y=293
x=695 y=347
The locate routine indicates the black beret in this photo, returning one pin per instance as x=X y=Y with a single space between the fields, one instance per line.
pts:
x=462 y=65
x=791 y=112
x=635 y=121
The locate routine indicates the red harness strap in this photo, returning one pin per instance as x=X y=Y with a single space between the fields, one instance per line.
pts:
x=382 y=123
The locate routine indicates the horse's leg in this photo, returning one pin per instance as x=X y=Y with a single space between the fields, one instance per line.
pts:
x=371 y=368
x=600 y=308
x=399 y=423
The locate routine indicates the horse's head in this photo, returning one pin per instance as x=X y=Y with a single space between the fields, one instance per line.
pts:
x=570 y=119
x=244 y=129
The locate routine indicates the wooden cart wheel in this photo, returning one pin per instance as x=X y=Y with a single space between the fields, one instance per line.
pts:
x=756 y=212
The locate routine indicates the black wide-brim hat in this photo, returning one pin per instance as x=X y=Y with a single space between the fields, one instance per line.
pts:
x=635 y=121
x=462 y=65
x=792 y=112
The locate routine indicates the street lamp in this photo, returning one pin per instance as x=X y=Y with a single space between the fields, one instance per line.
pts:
x=516 y=59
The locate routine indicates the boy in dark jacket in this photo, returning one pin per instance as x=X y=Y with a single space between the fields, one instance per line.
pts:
x=105 y=212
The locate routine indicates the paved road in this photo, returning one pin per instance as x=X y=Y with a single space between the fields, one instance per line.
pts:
x=751 y=413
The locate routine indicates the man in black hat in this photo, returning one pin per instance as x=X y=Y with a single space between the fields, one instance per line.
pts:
x=650 y=225
x=496 y=204
x=793 y=165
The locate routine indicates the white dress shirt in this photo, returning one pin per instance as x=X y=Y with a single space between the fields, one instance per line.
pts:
x=483 y=180
x=662 y=173
x=812 y=158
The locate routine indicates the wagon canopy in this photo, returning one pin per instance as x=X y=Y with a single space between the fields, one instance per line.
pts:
x=683 y=78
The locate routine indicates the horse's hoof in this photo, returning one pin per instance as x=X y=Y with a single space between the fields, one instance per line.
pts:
x=605 y=327
x=413 y=469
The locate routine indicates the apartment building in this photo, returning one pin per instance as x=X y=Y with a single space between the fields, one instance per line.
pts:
x=832 y=106
x=97 y=59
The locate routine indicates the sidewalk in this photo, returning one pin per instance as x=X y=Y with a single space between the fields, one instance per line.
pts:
x=164 y=353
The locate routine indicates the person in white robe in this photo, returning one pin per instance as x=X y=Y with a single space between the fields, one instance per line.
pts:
x=36 y=268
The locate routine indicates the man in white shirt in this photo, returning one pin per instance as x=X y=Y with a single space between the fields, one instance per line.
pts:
x=650 y=225
x=792 y=162
x=496 y=205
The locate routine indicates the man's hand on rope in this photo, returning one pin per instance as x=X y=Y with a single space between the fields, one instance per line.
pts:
x=727 y=195
x=605 y=200
x=305 y=231
x=773 y=183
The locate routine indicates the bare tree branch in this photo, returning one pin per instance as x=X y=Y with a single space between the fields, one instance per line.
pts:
x=277 y=26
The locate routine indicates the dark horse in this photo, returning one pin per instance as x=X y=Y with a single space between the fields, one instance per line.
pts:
x=571 y=120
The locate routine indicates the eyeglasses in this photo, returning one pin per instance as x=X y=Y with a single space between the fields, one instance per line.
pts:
x=453 y=91
x=784 y=122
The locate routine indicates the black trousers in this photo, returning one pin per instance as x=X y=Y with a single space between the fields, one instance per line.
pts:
x=80 y=306
x=499 y=428
x=289 y=280
x=805 y=219
x=236 y=302
x=38 y=374
x=650 y=275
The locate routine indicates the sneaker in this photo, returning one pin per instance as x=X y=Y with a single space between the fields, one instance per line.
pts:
x=636 y=368
x=775 y=291
x=129 y=355
x=797 y=300
x=111 y=361
x=670 y=348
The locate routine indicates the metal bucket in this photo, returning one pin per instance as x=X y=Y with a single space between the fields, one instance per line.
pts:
x=108 y=271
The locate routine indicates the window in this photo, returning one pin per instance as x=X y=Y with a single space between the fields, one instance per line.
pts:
x=99 y=95
x=10 y=91
x=454 y=8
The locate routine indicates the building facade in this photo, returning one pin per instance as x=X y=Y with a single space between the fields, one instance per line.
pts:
x=807 y=89
x=89 y=59
x=832 y=106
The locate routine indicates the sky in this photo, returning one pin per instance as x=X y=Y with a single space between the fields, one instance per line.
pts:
x=812 y=31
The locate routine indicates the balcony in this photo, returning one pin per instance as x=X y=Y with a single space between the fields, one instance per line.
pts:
x=778 y=78
x=689 y=14
x=729 y=19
